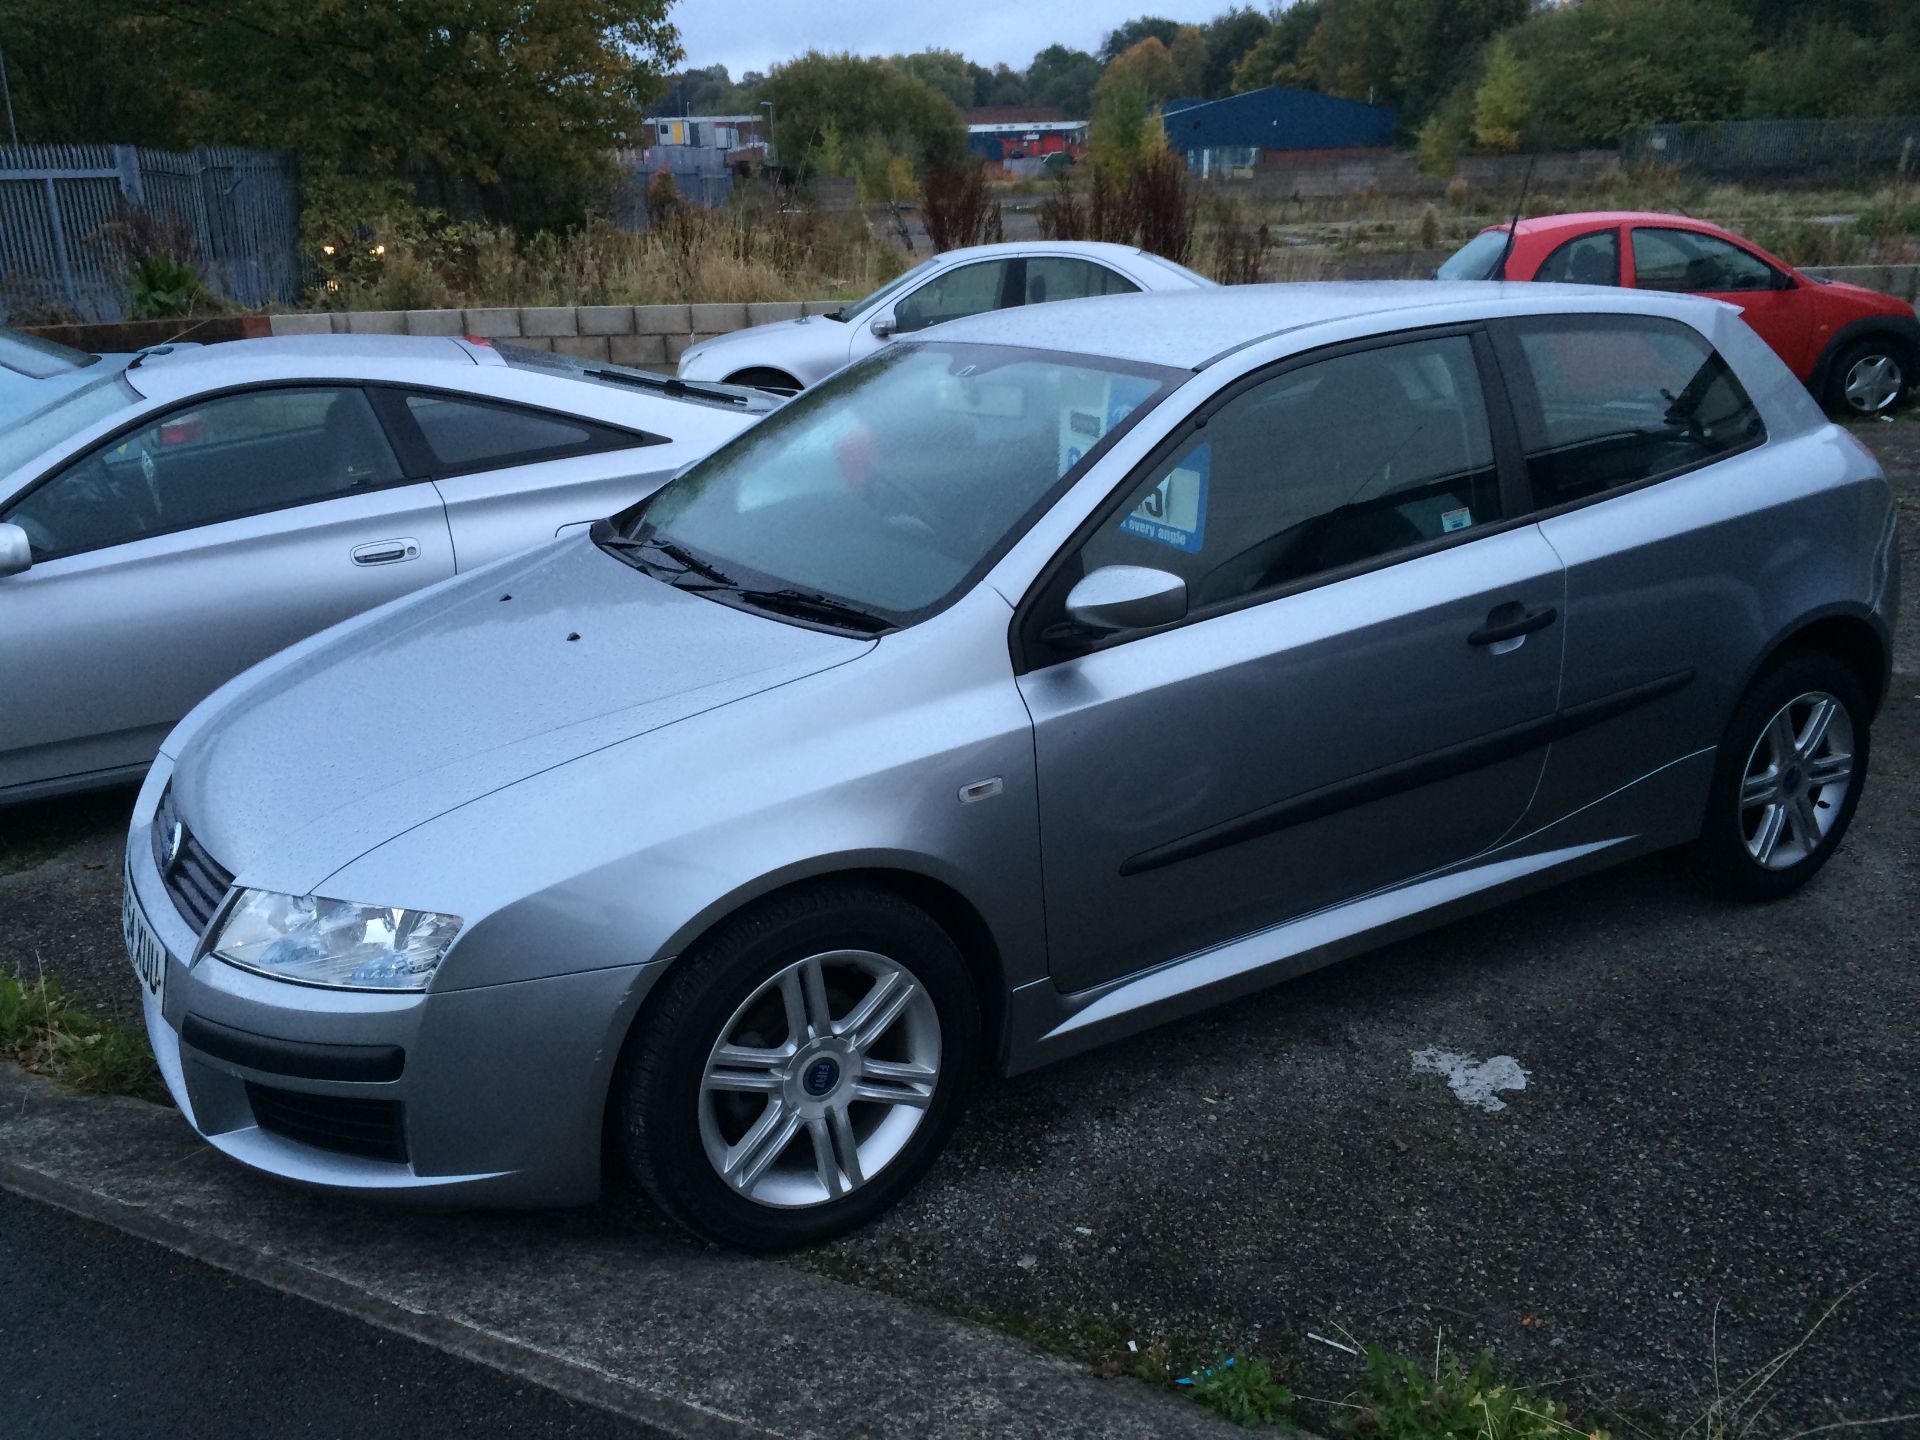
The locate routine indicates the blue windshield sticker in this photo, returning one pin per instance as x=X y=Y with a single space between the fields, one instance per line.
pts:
x=1451 y=520
x=1174 y=512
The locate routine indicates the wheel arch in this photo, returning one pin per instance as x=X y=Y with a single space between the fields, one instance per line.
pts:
x=1903 y=331
x=1850 y=634
x=765 y=377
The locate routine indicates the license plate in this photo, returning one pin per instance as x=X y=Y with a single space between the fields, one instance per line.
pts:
x=149 y=956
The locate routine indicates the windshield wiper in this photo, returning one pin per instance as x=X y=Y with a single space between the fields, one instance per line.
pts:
x=811 y=605
x=672 y=385
x=688 y=562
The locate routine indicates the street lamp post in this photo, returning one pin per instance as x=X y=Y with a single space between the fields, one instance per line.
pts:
x=767 y=105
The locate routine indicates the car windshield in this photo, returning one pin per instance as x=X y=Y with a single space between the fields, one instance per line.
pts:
x=24 y=440
x=853 y=311
x=872 y=500
x=38 y=359
x=1475 y=259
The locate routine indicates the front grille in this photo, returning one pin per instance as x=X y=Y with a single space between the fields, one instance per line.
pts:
x=369 y=1128
x=196 y=881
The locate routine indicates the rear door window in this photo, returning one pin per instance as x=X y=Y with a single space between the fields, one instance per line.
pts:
x=1592 y=259
x=464 y=435
x=1608 y=401
x=1059 y=277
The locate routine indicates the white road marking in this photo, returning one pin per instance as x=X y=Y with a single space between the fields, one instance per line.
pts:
x=1473 y=1081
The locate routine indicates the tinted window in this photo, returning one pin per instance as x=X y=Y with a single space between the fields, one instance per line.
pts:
x=32 y=356
x=1621 y=398
x=1330 y=464
x=968 y=290
x=1053 y=277
x=236 y=455
x=473 y=435
x=1682 y=260
x=1584 y=260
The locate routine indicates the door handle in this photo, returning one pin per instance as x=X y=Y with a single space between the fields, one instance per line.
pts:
x=1510 y=621
x=385 y=552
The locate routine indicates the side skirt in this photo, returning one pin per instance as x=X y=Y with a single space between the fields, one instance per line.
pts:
x=1048 y=1025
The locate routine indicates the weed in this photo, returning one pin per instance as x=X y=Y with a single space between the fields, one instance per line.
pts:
x=1241 y=1388
x=1400 y=1400
x=46 y=1034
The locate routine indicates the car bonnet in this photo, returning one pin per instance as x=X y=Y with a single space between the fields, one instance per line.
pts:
x=308 y=762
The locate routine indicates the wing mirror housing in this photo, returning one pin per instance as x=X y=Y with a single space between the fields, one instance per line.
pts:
x=1126 y=597
x=882 y=328
x=16 y=553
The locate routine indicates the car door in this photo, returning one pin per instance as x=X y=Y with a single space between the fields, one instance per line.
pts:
x=1371 y=632
x=175 y=554
x=1663 y=546
x=1589 y=259
x=953 y=294
x=1769 y=299
x=1069 y=277
x=512 y=475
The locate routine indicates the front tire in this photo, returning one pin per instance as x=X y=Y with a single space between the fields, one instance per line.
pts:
x=800 y=1068
x=1787 y=779
x=1868 y=378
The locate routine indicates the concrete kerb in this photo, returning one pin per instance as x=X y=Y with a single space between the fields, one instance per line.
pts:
x=614 y=1310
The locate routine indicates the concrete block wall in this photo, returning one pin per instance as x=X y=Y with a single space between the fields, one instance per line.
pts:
x=647 y=337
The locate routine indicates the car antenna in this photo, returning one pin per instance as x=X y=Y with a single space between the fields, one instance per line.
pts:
x=1499 y=270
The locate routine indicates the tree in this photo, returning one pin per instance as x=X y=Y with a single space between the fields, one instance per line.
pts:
x=1147 y=27
x=1064 y=79
x=860 y=102
x=1229 y=37
x=1189 y=51
x=944 y=70
x=1001 y=85
x=91 y=71
x=1284 y=55
x=1149 y=64
x=1500 y=104
x=707 y=91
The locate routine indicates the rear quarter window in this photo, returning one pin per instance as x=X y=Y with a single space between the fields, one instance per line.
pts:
x=1609 y=401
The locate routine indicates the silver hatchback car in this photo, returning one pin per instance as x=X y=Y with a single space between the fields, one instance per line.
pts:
x=1047 y=677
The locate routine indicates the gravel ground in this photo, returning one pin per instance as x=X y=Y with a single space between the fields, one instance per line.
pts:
x=1719 y=1133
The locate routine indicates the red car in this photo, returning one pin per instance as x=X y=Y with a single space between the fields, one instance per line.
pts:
x=1856 y=349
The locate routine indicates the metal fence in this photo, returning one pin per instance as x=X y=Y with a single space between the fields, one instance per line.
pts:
x=699 y=171
x=65 y=213
x=1837 y=151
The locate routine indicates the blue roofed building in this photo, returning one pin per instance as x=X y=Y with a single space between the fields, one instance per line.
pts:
x=1243 y=132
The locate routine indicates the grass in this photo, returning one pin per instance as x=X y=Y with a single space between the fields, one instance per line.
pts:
x=46 y=1034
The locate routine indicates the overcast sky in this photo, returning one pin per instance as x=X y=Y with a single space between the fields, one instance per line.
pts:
x=756 y=34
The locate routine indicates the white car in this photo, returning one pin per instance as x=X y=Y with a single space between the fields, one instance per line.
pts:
x=790 y=355
x=166 y=525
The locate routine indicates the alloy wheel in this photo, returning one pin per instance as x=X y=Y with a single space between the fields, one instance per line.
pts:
x=819 y=1079
x=1873 y=383
x=1796 y=780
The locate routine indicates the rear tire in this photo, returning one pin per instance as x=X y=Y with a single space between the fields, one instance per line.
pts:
x=1787 y=779
x=800 y=1068
x=1869 y=377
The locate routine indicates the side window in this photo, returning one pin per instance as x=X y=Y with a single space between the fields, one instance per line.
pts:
x=227 y=457
x=1058 y=277
x=967 y=290
x=1328 y=464
x=478 y=435
x=1683 y=260
x=1592 y=259
x=1621 y=398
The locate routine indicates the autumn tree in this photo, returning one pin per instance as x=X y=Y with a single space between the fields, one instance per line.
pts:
x=1148 y=64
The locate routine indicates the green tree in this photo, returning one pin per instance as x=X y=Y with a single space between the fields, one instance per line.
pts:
x=1284 y=55
x=1065 y=79
x=1123 y=38
x=861 y=101
x=1189 y=51
x=1229 y=37
x=1500 y=103
x=1149 y=64
x=1123 y=115
x=944 y=70
x=88 y=71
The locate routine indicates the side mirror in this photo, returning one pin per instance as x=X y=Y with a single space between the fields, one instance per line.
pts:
x=882 y=328
x=1126 y=597
x=16 y=554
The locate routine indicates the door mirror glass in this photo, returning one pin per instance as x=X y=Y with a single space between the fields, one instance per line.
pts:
x=882 y=328
x=15 y=553
x=1126 y=597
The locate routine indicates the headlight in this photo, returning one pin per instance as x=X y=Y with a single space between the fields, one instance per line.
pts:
x=334 y=942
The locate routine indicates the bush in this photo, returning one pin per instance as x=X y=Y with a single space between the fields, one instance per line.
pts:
x=955 y=209
x=163 y=288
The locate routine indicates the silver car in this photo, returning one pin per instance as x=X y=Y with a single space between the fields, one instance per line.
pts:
x=165 y=526
x=1052 y=676
x=790 y=354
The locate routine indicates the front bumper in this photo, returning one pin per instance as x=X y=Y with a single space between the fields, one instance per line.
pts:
x=492 y=1095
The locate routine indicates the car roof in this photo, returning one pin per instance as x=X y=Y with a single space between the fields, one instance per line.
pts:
x=1585 y=219
x=179 y=374
x=1092 y=249
x=1188 y=329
